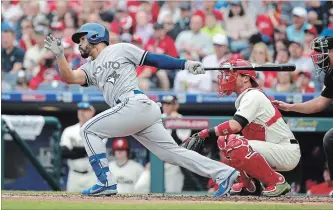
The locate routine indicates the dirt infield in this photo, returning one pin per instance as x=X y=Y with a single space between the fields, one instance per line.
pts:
x=156 y=198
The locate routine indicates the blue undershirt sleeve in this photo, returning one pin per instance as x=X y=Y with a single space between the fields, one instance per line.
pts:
x=162 y=61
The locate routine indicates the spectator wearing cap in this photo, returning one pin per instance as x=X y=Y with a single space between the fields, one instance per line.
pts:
x=193 y=44
x=170 y=106
x=303 y=82
x=239 y=26
x=124 y=169
x=221 y=53
x=27 y=40
x=161 y=43
x=212 y=27
x=169 y=8
x=295 y=32
x=185 y=16
x=34 y=57
x=11 y=56
x=143 y=28
x=328 y=31
x=80 y=173
x=296 y=57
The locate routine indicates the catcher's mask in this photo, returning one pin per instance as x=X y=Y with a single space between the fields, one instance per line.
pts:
x=320 y=55
x=227 y=78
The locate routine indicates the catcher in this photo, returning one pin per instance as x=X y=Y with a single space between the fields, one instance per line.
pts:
x=266 y=145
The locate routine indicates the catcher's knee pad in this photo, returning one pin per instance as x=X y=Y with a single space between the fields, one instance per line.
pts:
x=239 y=154
x=237 y=150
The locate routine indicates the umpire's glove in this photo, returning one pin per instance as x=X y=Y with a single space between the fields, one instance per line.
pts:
x=54 y=45
x=194 y=67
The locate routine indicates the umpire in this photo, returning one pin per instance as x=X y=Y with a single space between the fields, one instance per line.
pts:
x=323 y=60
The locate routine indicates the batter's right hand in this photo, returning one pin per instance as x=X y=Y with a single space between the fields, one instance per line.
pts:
x=54 y=45
x=282 y=105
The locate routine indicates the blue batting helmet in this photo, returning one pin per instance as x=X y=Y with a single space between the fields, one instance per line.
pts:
x=96 y=33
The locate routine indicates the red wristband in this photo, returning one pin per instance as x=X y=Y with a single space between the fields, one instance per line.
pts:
x=224 y=128
x=204 y=134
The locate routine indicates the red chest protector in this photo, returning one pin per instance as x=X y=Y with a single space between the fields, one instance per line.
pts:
x=255 y=131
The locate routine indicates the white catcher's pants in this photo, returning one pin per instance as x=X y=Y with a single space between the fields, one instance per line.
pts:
x=141 y=117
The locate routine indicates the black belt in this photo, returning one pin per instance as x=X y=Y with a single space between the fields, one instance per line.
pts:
x=81 y=172
x=293 y=141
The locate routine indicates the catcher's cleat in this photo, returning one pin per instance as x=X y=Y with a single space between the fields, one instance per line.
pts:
x=252 y=187
x=225 y=186
x=98 y=190
x=280 y=188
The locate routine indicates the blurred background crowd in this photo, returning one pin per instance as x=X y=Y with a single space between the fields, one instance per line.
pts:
x=263 y=31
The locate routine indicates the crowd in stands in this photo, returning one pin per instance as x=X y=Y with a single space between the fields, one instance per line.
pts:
x=263 y=31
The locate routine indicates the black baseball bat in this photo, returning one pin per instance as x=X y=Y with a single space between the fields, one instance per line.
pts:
x=263 y=67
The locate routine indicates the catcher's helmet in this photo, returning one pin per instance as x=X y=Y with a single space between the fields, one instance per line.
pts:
x=321 y=47
x=120 y=144
x=227 y=78
x=96 y=33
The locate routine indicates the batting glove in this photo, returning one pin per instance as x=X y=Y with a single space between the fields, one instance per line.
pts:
x=194 y=67
x=54 y=45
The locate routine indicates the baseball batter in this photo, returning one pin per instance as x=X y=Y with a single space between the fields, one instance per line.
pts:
x=266 y=144
x=112 y=69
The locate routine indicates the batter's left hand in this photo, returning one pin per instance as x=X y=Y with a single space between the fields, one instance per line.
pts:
x=194 y=67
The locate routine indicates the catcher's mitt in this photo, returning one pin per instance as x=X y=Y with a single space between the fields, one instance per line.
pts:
x=194 y=143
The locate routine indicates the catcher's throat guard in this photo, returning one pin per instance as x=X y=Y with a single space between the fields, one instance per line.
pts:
x=320 y=56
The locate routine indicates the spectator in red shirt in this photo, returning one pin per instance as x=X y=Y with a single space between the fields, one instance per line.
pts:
x=303 y=82
x=27 y=40
x=325 y=188
x=267 y=22
x=161 y=43
x=120 y=15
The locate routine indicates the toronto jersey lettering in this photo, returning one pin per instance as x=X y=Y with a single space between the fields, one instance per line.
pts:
x=114 y=70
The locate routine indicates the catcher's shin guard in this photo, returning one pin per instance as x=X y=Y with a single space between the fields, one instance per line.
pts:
x=239 y=154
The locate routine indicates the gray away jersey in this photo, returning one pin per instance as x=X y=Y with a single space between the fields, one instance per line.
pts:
x=114 y=70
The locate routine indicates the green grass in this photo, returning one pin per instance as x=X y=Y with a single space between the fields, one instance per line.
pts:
x=85 y=204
